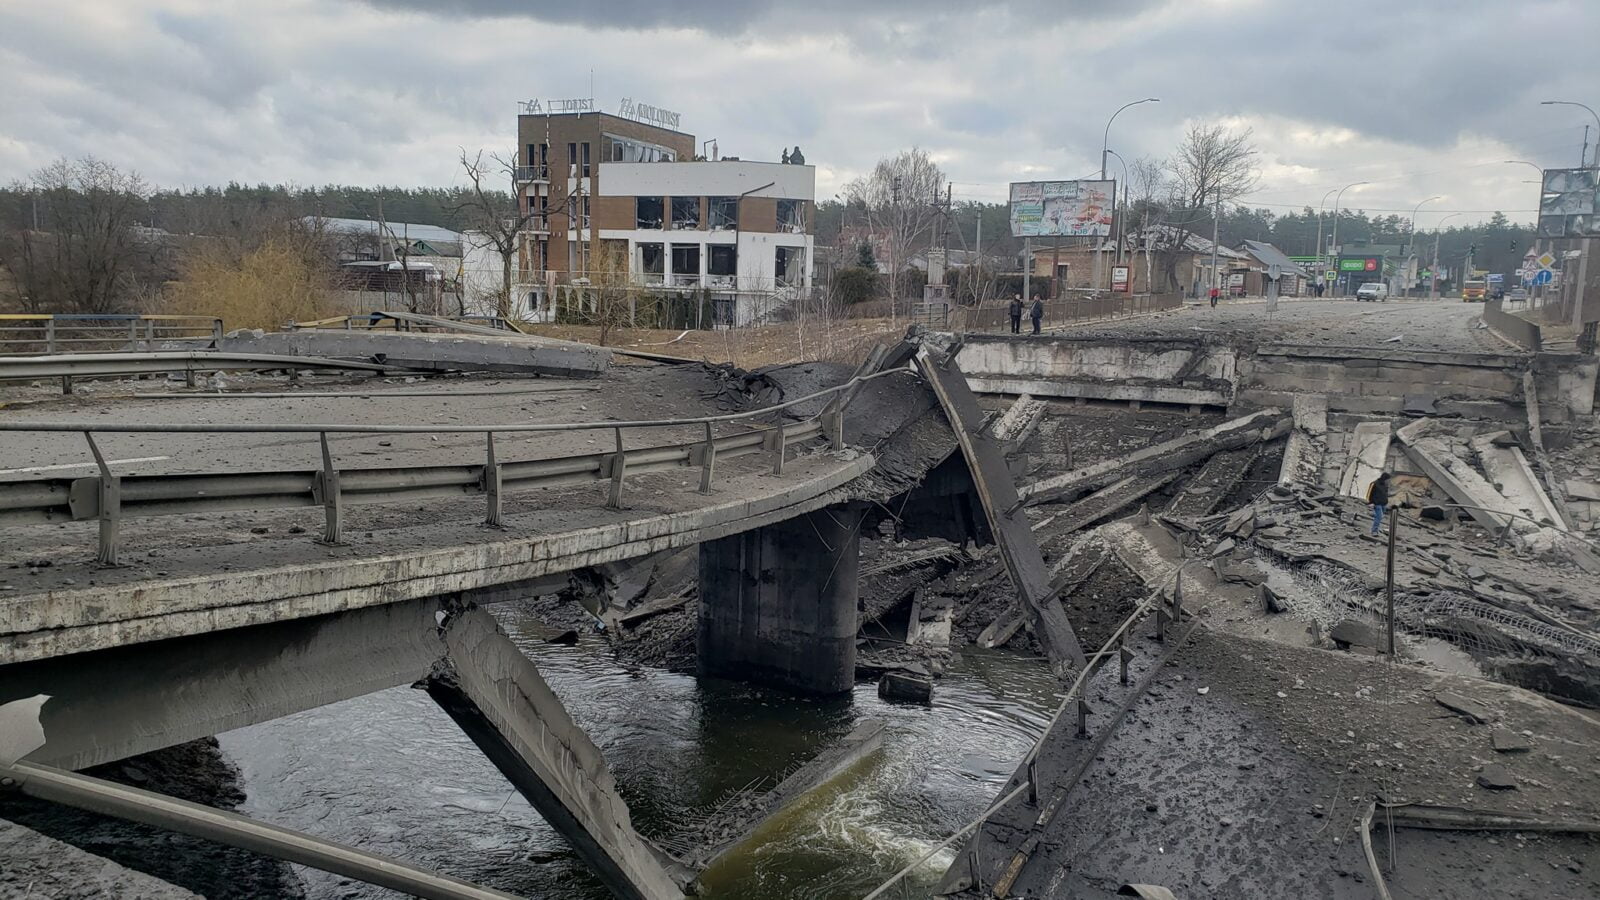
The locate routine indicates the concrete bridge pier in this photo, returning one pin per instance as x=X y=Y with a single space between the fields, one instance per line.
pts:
x=778 y=603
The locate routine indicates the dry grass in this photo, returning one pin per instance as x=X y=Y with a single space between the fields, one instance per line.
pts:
x=275 y=283
x=839 y=341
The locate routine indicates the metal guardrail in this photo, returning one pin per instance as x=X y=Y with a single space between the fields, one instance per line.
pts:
x=189 y=362
x=49 y=335
x=110 y=498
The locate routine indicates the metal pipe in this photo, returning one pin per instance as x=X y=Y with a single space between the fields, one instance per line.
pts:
x=336 y=428
x=104 y=797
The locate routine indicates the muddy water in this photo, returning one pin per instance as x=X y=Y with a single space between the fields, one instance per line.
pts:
x=391 y=773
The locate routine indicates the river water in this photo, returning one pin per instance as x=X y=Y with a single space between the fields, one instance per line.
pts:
x=390 y=773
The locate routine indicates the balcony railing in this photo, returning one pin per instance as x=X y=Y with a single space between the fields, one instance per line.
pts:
x=526 y=174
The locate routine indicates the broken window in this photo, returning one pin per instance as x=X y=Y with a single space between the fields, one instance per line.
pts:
x=651 y=260
x=685 y=263
x=792 y=216
x=724 y=260
x=724 y=213
x=788 y=266
x=647 y=212
x=685 y=212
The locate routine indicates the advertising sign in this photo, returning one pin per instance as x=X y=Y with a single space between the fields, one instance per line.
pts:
x=1569 y=203
x=1120 y=280
x=1366 y=264
x=1061 y=208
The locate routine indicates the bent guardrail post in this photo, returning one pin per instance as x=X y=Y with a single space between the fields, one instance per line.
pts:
x=333 y=509
x=779 y=444
x=108 y=499
x=708 y=461
x=619 y=468
x=491 y=483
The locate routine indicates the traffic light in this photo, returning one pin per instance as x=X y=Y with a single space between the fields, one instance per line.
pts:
x=1513 y=245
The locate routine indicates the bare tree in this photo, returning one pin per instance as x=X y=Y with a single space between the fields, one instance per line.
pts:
x=82 y=253
x=498 y=216
x=1212 y=165
x=902 y=198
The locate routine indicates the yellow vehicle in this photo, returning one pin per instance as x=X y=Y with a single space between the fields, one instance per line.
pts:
x=1474 y=291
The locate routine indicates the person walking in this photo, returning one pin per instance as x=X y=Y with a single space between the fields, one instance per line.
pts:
x=1016 y=313
x=1037 y=313
x=1213 y=298
x=1378 y=496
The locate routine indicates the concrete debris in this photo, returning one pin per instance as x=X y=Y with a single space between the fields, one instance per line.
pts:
x=1419 y=405
x=1350 y=633
x=1302 y=458
x=907 y=685
x=1163 y=457
x=1496 y=777
x=1583 y=490
x=1504 y=740
x=1471 y=710
x=1147 y=891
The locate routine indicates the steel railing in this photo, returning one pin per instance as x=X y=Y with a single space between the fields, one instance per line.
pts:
x=110 y=498
x=52 y=335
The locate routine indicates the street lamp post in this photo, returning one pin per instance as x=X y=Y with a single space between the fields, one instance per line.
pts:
x=1322 y=261
x=1433 y=283
x=1105 y=144
x=1411 y=242
x=1336 y=198
x=1121 y=225
x=1591 y=112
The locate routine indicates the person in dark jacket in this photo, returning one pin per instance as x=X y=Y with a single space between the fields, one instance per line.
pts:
x=1016 y=313
x=1378 y=496
x=1037 y=312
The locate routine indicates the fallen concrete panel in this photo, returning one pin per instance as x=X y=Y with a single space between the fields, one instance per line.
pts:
x=1020 y=419
x=1164 y=457
x=1368 y=456
x=1302 y=458
x=1465 y=486
x=1109 y=500
x=1096 y=390
x=1509 y=473
x=500 y=700
x=1003 y=509
x=726 y=837
x=1215 y=480
x=434 y=352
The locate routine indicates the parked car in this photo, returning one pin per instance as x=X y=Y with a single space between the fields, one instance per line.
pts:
x=1373 y=290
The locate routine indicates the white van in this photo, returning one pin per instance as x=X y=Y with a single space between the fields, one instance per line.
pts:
x=1373 y=290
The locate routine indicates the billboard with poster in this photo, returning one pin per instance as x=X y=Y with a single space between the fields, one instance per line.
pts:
x=1569 y=203
x=1121 y=279
x=1062 y=208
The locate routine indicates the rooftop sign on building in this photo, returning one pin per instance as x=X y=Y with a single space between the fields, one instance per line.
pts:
x=649 y=115
x=557 y=107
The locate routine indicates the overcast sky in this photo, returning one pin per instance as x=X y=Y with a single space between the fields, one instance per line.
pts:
x=1420 y=98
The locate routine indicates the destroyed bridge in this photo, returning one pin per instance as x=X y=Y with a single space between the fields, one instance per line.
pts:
x=171 y=593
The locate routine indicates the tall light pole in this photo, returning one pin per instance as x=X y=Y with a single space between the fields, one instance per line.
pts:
x=1411 y=242
x=1591 y=112
x=1433 y=283
x=1322 y=262
x=1105 y=140
x=1122 y=229
x=1105 y=143
x=1336 y=198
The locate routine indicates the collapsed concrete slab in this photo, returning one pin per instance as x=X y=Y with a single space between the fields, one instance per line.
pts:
x=1369 y=455
x=436 y=352
x=1302 y=458
x=500 y=700
x=1164 y=457
x=1511 y=476
x=1427 y=448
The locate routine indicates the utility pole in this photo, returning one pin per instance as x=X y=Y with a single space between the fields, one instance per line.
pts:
x=1216 y=219
x=1583 y=155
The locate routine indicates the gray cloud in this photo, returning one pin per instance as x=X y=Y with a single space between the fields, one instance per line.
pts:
x=1409 y=96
